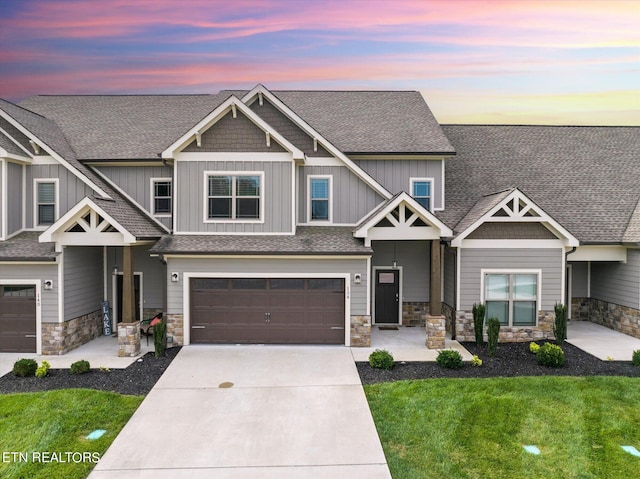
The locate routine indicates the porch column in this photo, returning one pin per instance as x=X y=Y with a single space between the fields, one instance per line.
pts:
x=129 y=328
x=435 y=287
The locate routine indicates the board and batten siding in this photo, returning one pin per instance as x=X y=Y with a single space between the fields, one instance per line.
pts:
x=352 y=197
x=15 y=174
x=267 y=266
x=70 y=188
x=190 y=196
x=474 y=260
x=83 y=280
x=42 y=272
x=415 y=259
x=617 y=283
x=135 y=181
x=395 y=175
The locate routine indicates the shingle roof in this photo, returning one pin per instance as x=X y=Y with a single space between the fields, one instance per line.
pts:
x=482 y=206
x=326 y=240
x=586 y=178
x=25 y=247
x=9 y=146
x=142 y=126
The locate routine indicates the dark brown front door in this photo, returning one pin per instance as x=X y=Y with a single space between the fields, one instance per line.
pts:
x=17 y=319
x=387 y=296
x=267 y=311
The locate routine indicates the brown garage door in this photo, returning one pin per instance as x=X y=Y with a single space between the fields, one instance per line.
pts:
x=17 y=319
x=267 y=311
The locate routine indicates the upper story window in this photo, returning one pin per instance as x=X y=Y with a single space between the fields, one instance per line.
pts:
x=236 y=196
x=422 y=191
x=46 y=201
x=319 y=193
x=512 y=298
x=161 y=194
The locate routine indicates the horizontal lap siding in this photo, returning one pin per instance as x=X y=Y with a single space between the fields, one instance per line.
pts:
x=352 y=197
x=617 y=283
x=14 y=198
x=267 y=266
x=83 y=280
x=190 y=196
x=395 y=175
x=579 y=279
x=33 y=272
x=415 y=259
x=474 y=260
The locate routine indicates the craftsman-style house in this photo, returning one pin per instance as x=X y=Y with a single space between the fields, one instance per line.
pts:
x=306 y=217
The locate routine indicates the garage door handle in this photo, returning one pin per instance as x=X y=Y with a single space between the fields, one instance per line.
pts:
x=197 y=327
x=30 y=336
x=337 y=327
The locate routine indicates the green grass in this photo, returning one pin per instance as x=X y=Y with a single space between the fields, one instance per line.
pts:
x=475 y=428
x=58 y=422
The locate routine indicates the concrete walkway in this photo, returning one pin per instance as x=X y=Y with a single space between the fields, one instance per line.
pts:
x=600 y=341
x=251 y=411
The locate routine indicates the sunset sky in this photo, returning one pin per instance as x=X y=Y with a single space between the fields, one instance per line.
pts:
x=476 y=61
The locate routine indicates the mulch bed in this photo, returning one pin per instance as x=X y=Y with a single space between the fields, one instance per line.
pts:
x=511 y=359
x=137 y=379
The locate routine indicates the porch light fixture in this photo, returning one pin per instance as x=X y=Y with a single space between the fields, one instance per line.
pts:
x=115 y=269
x=394 y=264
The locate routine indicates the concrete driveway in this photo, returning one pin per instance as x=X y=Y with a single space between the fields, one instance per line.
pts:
x=251 y=411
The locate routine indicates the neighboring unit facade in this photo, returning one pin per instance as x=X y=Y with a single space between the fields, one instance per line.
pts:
x=306 y=217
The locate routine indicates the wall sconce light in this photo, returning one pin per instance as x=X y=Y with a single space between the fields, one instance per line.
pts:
x=48 y=284
x=394 y=264
x=357 y=278
x=175 y=277
x=115 y=270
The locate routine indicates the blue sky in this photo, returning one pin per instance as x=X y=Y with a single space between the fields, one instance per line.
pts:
x=479 y=61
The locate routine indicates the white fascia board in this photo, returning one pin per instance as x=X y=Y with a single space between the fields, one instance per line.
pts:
x=55 y=155
x=326 y=144
x=15 y=158
x=220 y=112
x=67 y=219
x=569 y=239
x=424 y=214
x=599 y=253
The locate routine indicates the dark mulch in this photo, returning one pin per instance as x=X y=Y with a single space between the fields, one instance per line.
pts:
x=511 y=359
x=137 y=379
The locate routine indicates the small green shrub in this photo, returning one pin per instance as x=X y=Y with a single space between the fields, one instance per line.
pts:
x=478 y=312
x=551 y=355
x=534 y=347
x=493 y=332
x=449 y=358
x=560 y=324
x=25 y=367
x=476 y=361
x=381 y=359
x=43 y=369
x=635 y=358
x=80 y=367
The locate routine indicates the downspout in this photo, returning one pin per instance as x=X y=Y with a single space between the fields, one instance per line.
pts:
x=567 y=300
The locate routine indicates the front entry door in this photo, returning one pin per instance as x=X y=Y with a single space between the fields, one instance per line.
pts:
x=387 y=296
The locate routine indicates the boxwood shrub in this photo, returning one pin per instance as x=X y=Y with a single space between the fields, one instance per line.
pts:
x=550 y=355
x=381 y=359
x=80 y=367
x=25 y=367
x=449 y=358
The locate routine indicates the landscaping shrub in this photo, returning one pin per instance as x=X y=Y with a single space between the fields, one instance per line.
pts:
x=534 y=347
x=25 y=367
x=381 y=359
x=560 y=325
x=551 y=355
x=160 y=338
x=478 y=312
x=43 y=369
x=449 y=358
x=635 y=358
x=493 y=332
x=476 y=361
x=80 y=367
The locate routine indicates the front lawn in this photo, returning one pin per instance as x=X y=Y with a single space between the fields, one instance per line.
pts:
x=476 y=428
x=43 y=435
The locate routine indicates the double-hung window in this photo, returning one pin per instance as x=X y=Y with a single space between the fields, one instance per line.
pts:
x=422 y=191
x=234 y=196
x=512 y=298
x=161 y=196
x=46 y=195
x=319 y=198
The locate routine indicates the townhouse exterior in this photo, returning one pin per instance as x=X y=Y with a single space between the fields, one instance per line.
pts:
x=306 y=217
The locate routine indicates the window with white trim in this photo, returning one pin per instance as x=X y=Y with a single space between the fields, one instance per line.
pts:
x=161 y=194
x=422 y=191
x=235 y=197
x=319 y=193
x=512 y=298
x=46 y=202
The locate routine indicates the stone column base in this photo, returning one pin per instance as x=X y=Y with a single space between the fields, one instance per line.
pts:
x=436 y=331
x=361 y=331
x=128 y=339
